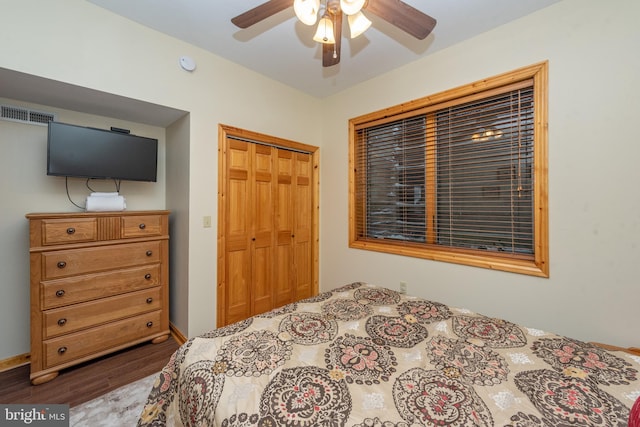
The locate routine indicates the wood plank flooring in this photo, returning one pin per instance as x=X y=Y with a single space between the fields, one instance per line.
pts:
x=89 y=380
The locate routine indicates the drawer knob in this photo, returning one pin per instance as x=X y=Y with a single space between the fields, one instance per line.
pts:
x=149 y=253
x=60 y=293
x=62 y=350
x=142 y=226
x=71 y=230
x=62 y=264
x=147 y=276
x=149 y=300
x=62 y=322
x=149 y=324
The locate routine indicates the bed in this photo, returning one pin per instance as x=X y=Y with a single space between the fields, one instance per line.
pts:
x=364 y=355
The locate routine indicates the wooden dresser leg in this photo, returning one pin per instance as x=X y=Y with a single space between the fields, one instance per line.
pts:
x=44 y=378
x=158 y=340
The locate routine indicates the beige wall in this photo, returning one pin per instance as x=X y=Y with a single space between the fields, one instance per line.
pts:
x=594 y=222
x=178 y=199
x=594 y=204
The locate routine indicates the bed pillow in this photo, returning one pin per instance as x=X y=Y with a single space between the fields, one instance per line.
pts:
x=634 y=415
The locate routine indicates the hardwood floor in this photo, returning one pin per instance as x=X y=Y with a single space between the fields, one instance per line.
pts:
x=87 y=381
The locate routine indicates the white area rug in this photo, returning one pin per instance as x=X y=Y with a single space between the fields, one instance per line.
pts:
x=120 y=407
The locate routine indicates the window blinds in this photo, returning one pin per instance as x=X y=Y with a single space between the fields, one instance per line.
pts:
x=458 y=174
x=484 y=169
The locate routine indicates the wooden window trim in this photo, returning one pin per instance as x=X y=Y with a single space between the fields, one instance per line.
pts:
x=536 y=266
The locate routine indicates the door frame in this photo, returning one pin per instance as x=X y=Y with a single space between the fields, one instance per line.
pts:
x=225 y=131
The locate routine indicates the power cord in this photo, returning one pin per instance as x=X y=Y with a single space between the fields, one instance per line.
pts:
x=116 y=183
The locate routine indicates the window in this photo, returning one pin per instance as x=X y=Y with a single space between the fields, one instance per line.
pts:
x=459 y=176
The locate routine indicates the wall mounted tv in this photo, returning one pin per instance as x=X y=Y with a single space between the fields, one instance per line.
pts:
x=83 y=152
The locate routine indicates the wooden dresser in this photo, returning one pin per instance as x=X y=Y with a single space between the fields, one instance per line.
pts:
x=99 y=283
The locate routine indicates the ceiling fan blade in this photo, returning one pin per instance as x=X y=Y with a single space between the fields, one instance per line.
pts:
x=403 y=16
x=331 y=50
x=261 y=12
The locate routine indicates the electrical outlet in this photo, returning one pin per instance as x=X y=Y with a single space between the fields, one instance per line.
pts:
x=403 y=287
x=206 y=221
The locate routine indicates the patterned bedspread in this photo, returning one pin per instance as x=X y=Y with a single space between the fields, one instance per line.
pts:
x=362 y=355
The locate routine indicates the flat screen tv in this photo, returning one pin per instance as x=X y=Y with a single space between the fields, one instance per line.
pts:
x=83 y=152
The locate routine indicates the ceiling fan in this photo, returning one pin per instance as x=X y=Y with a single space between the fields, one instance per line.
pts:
x=329 y=30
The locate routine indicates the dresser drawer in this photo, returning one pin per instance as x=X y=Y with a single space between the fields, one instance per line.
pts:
x=68 y=348
x=72 y=290
x=59 y=231
x=81 y=316
x=74 y=262
x=141 y=226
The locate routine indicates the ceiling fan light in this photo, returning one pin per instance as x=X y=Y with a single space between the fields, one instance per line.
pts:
x=358 y=24
x=351 y=7
x=324 y=33
x=306 y=10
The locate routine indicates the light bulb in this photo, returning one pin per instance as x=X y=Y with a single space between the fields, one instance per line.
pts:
x=307 y=10
x=358 y=24
x=351 y=7
x=324 y=33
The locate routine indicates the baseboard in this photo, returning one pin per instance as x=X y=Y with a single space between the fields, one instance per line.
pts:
x=632 y=350
x=14 y=362
x=176 y=334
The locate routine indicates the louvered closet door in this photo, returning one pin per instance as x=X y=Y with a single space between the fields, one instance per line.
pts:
x=249 y=243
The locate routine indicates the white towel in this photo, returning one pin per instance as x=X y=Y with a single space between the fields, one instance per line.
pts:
x=105 y=203
x=112 y=194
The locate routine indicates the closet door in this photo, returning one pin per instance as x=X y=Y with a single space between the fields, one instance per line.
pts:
x=284 y=224
x=293 y=276
x=303 y=226
x=267 y=223
x=249 y=237
x=263 y=238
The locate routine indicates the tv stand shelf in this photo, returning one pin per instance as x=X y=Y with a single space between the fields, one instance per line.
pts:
x=99 y=283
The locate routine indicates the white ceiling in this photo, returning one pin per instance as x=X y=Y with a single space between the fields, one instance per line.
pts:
x=282 y=48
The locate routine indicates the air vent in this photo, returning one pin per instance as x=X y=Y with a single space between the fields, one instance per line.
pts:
x=25 y=115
